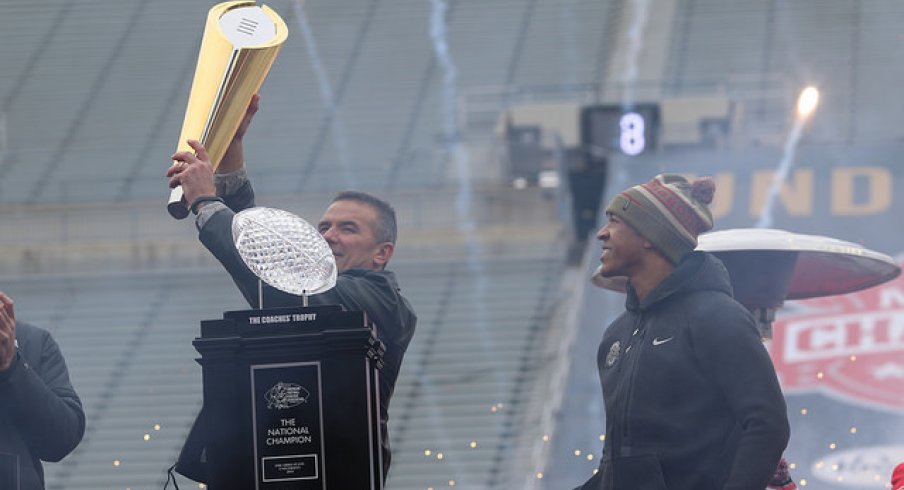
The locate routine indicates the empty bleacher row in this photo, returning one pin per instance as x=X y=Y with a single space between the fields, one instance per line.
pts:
x=93 y=94
x=460 y=397
x=761 y=55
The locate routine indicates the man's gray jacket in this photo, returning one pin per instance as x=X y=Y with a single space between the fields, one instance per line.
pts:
x=41 y=416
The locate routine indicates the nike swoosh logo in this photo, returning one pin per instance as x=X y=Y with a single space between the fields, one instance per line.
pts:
x=660 y=342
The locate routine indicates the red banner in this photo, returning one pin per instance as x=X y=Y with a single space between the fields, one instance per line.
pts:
x=849 y=346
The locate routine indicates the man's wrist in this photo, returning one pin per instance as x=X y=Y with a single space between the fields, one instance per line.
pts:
x=201 y=201
x=6 y=371
x=206 y=212
x=13 y=357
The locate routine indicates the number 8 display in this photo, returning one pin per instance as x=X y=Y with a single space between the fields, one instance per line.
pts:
x=632 y=140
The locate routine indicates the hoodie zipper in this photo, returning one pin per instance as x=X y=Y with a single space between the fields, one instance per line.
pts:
x=637 y=335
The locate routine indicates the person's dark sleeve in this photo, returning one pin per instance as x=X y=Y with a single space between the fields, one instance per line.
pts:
x=43 y=404
x=729 y=347
x=241 y=199
x=594 y=483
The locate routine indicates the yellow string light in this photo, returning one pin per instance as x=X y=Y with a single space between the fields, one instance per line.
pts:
x=473 y=444
x=116 y=462
x=147 y=437
x=577 y=452
x=539 y=475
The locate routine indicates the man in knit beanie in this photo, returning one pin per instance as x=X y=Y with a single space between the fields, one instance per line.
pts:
x=668 y=211
x=692 y=400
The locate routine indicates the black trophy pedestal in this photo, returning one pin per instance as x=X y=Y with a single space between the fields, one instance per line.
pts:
x=291 y=400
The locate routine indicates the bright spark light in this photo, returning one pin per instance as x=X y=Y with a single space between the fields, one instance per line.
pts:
x=807 y=102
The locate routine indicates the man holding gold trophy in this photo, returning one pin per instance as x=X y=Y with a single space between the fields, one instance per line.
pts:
x=209 y=179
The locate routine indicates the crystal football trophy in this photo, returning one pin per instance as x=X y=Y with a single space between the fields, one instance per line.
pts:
x=284 y=251
x=240 y=44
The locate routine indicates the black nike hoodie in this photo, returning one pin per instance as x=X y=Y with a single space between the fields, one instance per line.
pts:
x=692 y=400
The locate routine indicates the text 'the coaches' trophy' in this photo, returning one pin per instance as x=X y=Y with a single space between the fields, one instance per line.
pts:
x=240 y=43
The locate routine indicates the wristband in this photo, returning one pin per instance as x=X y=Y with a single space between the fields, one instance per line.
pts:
x=202 y=199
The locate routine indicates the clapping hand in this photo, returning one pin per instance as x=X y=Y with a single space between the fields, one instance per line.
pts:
x=7 y=332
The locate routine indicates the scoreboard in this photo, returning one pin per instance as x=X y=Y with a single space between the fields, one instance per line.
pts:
x=626 y=129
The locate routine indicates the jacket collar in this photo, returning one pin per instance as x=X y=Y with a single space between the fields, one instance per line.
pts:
x=697 y=271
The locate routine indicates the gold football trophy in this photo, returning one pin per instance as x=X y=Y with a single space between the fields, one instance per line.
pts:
x=240 y=43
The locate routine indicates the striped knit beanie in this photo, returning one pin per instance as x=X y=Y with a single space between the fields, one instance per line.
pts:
x=668 y=211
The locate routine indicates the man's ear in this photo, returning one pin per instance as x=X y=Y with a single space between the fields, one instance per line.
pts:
x=383 y=254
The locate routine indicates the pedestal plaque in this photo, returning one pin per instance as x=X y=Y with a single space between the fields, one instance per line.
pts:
x=291 y=400
x=288 y=424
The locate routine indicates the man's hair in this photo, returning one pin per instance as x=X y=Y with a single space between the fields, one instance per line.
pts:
x=385 y=229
